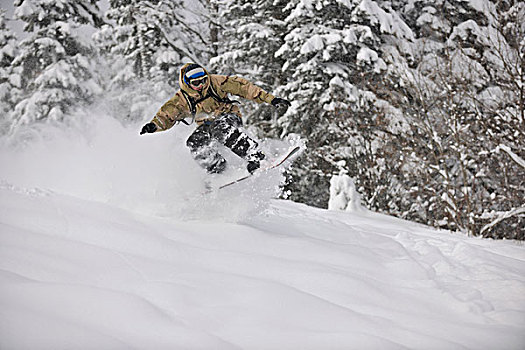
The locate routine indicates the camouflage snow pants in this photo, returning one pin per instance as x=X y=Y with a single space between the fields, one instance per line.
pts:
x=226 y=131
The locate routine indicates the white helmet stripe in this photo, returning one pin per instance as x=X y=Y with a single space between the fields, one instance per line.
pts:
x=196 y=72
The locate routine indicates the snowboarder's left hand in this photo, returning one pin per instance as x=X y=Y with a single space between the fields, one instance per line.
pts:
x=281 y=103
x=148 y=128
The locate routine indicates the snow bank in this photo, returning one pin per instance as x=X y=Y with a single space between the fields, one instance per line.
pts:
x=83 y=274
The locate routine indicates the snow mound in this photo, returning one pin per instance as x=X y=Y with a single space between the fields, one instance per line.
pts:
x=84 y=274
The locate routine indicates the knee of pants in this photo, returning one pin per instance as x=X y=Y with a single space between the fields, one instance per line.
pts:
x=222 y=128
x=227 y=120
x=197 y=140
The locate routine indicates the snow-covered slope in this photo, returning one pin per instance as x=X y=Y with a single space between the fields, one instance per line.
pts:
x=91 y=262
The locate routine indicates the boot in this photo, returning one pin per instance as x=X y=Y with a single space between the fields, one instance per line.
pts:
x=254 y=161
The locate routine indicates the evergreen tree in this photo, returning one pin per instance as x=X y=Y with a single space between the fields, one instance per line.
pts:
x=54 y=62
x=334 y=62
x=145 y=44
x=9 y=82
x=250 y=34
x=466 y=94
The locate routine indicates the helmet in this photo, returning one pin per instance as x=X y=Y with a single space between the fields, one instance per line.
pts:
x=194 y=75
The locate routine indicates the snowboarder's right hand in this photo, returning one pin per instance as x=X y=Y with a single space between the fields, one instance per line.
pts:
x=148 y=128
x=281 y=102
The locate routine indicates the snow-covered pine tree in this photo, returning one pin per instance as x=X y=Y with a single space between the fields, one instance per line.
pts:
x=466 y=104
x=250 y=33
x=144 y=44
x=421 y=102
x=333 y=64
x=9 y=82
x=54 y=62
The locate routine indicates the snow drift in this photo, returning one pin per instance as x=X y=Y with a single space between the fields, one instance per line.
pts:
x=106 y=242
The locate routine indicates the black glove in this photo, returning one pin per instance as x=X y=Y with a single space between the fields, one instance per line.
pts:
x=148 y=128
x=281 y=103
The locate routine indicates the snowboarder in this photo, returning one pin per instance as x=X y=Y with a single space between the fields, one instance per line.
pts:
x=203 y=97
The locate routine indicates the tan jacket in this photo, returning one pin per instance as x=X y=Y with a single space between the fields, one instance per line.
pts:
x=205 y=106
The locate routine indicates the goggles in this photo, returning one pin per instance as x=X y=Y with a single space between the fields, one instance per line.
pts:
x=197 y=82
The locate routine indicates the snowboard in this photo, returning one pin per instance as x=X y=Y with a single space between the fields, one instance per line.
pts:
x=278 y=162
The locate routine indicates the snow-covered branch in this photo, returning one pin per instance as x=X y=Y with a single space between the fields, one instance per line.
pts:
x=502 y=217
x=512 y=155
x=176 y=47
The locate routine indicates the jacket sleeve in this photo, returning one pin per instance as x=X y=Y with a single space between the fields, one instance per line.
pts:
x=175 y=109
x=241 y=87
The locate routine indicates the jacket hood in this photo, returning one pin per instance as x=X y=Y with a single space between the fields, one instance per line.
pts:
x=187 y=88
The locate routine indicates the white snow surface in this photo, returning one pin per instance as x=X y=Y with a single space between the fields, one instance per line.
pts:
x=106 y=242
